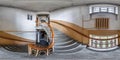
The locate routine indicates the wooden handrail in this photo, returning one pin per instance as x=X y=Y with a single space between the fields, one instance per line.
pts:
x=14 y=31
x=52 y=35
x=27 y=40
x=14 y=39
x=51 y=44
x=12 y=42
x=5 y=35
x=80 y=32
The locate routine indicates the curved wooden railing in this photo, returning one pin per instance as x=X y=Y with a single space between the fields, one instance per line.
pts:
x=9 y=39
x=5 y=35
x=12 y=39
x=73 y=26
x=52 y=36
x=82 y=34
x=5 y=41
x=70 y=31
x=42 y=48
x=77 y=29
x=52 y=31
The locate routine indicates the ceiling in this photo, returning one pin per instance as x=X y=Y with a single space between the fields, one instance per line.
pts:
x=50 y=5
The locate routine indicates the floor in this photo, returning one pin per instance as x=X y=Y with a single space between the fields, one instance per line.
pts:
x=84 y=54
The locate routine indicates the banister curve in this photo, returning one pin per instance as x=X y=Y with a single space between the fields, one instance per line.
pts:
x=57 y=22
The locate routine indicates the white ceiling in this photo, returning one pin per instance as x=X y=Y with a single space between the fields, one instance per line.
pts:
x=50 y=5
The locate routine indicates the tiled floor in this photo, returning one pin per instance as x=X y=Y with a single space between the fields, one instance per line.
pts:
x=84 y=54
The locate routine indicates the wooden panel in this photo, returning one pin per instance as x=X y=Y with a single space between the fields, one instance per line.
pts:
x=102 y=23
x=85 y=41
x=104 y=32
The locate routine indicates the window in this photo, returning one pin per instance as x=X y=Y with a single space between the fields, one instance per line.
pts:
x=111 y=9
x=103 y=44
x=116 y=10
x=96 y=9
x=29 y=17
x=90 y=9
x=103 y=8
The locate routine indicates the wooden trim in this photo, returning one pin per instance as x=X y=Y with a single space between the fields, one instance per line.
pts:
x=14 y=39
x=12 y=42
x=102 y=23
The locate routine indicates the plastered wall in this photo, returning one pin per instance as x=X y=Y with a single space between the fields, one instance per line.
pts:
x=13 y=19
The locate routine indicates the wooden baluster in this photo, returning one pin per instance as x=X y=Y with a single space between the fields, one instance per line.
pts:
x=104 y=23
x=29 y=50
x=47 y=52
x=108 y=22
x=37 y=52
x=98 y=23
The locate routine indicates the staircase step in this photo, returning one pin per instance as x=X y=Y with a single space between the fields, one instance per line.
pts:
x=65 y=43
x=71 y=51
x=67 y=47
x=62 y=40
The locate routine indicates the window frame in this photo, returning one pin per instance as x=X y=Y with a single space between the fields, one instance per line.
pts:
x=92 y=9
x=103 y=44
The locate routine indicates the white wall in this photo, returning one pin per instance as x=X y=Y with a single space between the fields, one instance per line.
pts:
x=16 y=19
x=68 y=14
x=75 y=14
x=72 y=14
